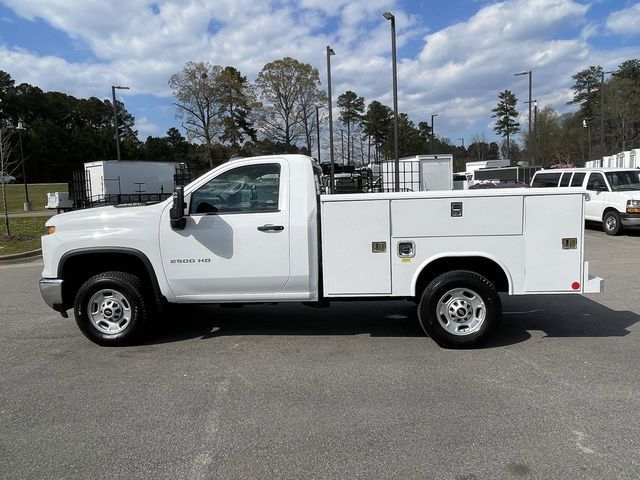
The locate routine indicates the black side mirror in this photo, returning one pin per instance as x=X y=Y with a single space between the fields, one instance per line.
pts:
x=176 y=214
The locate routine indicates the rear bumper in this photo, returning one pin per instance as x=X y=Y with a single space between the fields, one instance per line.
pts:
x=590 y=283
x=51 y=291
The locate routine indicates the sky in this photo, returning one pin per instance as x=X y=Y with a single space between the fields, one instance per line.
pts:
x=454 y=56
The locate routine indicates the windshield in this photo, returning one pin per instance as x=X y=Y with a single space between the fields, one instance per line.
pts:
x=624 y=180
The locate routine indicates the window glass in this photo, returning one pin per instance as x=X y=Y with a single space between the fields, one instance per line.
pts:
x=546 y=180
x=577 y=179
x=246 y=189
x=624 y=180
x=564 y=181
x=596 y=182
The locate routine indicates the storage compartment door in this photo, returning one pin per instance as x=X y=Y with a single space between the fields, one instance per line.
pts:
x=550 y=265
x=355 y=248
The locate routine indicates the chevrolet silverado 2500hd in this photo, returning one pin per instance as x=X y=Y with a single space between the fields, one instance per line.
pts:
x=260 y=230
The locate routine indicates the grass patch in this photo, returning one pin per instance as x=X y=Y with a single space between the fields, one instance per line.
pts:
x=37 y=195
x=25 y=234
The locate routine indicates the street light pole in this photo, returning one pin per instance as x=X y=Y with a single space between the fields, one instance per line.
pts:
x=389 y=16
x=332 y=175
x=602 y=74
x=318 y=131
x=530 y=74
x=115 y=117
x=433 y=132
x=27 y=203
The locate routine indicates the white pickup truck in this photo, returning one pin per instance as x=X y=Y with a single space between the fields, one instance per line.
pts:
x=259 y=230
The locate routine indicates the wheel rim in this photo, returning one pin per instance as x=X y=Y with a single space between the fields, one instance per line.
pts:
x=611 y=222
x=461 y=311
x=109 y=311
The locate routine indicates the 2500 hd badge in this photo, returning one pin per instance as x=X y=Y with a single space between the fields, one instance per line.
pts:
x=190 y=260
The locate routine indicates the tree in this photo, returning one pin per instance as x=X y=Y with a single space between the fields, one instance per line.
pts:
x=586 y=88
x=237 y=101
x=287 y=87
x=351 y=110
x=7 y=167
x=377 y=123
x=196 y=90
x=629 y=69
x=506 y=114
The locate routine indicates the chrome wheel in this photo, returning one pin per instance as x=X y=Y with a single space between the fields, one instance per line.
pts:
x=611 y=223
x=461 y=311
x=109 y=311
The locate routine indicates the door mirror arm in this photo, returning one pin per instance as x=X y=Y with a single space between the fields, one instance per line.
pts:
x=176 y=214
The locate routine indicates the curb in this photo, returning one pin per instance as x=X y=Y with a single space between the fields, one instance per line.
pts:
x=20 y=256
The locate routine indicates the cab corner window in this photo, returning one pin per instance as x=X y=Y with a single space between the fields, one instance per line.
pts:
x=246 y=189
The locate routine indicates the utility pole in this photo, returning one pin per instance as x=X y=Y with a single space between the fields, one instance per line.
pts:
x=318 y=131
x=332 y=184
x=27 y=203
x=392 y=18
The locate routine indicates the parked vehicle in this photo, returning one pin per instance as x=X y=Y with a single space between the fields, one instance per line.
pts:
x=6 y=178
x=258 y=230
x=614 y=193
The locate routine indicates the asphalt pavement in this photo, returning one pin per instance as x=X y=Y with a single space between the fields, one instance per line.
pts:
x=353 y=391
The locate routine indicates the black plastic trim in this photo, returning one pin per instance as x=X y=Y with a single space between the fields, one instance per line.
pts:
x=160 y=299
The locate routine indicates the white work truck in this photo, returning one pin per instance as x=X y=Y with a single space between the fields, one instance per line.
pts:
x=259 y=230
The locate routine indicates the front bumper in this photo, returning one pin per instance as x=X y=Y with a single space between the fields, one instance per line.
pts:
x=51 y=291
x=630 y=219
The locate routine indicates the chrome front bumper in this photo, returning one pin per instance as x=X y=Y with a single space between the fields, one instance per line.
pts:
x=51 y=291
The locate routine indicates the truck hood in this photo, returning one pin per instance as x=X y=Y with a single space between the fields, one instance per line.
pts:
x=105 y=217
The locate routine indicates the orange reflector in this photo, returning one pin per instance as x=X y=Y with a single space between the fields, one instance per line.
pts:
x=633 y=210
x=51 y=229
x=575 y=285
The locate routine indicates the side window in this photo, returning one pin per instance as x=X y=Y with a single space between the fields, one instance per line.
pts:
x=596 y=182
x=246 y=189
x=546 y=180
x=566 y=178
x=577 y=179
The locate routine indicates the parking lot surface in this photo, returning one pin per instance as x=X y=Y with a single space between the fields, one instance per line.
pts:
x=353 y=391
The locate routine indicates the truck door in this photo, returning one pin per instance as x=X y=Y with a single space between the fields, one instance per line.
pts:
x=236 y=238
x=594 y=204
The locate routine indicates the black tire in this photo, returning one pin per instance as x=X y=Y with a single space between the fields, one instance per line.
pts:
x=471 y=331
x=611 y=223
x=126 y=305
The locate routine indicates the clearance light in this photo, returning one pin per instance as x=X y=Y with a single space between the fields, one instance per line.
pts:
x=51 y=229
x=575 y=285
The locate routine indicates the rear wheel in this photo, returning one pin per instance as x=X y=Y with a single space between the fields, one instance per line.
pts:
x=459 y=309
x=611 y=223
x=111 y=309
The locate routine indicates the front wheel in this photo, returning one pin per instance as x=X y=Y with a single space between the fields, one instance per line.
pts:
x=611 y=223
x=110 y=308
x=459 y=308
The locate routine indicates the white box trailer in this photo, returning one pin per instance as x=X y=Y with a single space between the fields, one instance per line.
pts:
x=420 y=173
x=128 y=177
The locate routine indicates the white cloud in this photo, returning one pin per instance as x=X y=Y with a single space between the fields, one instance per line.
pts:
x=625 y=22
x=146 y=127
x=457 y=72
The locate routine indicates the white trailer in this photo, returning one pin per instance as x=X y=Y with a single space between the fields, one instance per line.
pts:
x=420 y=173
x=108 y=178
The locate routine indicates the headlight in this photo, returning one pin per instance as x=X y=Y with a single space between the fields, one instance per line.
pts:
x=633 y=206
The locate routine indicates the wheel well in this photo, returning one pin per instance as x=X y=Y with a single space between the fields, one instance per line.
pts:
x=76 y=268
x=480 y=265
x=609 y=209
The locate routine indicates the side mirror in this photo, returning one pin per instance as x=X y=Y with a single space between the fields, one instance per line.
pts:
x=176 y=214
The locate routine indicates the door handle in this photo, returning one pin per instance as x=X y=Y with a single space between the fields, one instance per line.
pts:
x=271 y=228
